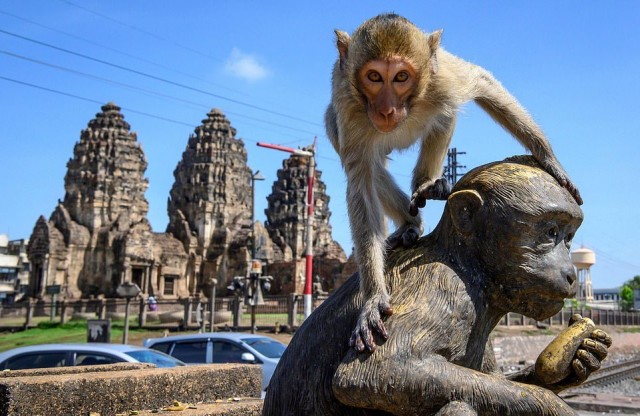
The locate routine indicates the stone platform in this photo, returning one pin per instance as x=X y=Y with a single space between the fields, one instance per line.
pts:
x=114 y=389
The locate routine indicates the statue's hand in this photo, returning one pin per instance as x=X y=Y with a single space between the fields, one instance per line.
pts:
x=575 y=353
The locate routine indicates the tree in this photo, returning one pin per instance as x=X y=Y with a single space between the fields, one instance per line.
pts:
x=634 y=283
x=626 y=297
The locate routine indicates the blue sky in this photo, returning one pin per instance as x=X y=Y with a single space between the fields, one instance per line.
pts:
x=574 y=65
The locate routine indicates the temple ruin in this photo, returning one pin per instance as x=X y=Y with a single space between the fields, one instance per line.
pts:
x=98 y=236
x=286 y=224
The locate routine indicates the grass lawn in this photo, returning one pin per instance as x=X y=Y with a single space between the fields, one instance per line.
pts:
x=75 y=331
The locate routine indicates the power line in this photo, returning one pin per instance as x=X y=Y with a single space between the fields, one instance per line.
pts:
x=91 y=100
x=144 y=90
x=40 y=87
x=137 y=29
x=120 y=52
x=157 y=78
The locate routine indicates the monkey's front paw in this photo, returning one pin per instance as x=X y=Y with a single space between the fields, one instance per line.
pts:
x=563 y=179
x=370 y=321
x=440 y=189
x=405 y=236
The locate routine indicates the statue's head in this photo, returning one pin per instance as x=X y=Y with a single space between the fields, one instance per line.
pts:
x=518 y=222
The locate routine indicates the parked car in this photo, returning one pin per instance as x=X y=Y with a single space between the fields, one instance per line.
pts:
x=223 y=347
x=63 y=355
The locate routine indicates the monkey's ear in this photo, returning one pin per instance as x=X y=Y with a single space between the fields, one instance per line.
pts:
x=434 y=42
x=342 y=42
x=463 y=205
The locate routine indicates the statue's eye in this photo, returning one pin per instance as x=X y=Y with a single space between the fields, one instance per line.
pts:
x=373 y=76
x=401 y=76
x=553 y=232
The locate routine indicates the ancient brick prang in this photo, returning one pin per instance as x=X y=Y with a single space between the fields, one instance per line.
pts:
x=99 y=237
x=286 y=223
x=210 y=203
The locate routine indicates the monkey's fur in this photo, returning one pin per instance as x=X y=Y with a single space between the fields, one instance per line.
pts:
x=502 y=245
x=393 y=85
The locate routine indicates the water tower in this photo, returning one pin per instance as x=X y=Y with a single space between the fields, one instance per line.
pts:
x=583 y=259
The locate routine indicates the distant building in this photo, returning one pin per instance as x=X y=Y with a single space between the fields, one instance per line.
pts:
x=14 y=269
x=607 y=294
x=605 y=299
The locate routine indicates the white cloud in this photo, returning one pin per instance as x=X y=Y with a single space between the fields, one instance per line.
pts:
x=245 y=66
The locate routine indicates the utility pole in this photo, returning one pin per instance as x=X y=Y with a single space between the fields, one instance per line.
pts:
x=451 y=170
x=310 y=153
x=255 y=176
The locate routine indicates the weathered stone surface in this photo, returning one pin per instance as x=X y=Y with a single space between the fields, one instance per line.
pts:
x=114 y=392
x=99 y=236
x=105 y=178
x=243 y=407
x=210 y=203
x=286 y=224
x=75 y=370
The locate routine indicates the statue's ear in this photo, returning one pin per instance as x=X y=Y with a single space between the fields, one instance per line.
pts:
x=463 y=206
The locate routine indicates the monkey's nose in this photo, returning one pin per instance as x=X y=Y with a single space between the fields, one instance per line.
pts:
x=386 y=112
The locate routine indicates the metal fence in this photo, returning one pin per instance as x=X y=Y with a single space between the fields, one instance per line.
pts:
x=231 y=312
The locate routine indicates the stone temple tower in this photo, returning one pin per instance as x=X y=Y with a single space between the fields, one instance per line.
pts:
x=105 y=178
x=210 y=202
x=99 y=237
x=286 y=223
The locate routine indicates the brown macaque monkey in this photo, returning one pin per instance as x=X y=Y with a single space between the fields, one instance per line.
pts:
x=392 y=85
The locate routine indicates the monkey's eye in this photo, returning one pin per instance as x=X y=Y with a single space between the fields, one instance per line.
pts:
x=401 y=77
x=373 y=76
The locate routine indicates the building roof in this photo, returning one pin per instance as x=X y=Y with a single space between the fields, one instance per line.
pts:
x=603 y=291
x=7 y=260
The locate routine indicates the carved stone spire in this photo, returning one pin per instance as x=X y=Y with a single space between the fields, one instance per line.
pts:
x=212 y=188
x=105 y=177
x=286 y=212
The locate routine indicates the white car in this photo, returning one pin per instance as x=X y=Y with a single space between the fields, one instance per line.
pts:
x=223 y=347
x=66 y=355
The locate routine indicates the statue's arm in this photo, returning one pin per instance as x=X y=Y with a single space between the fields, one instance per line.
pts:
x=408 y=386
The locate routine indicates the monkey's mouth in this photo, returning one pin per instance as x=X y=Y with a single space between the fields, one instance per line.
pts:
x=386 y=125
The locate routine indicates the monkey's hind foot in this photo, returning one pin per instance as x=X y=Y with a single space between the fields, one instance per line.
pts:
x=405 y=236
x=440 y=189
x=370 y=321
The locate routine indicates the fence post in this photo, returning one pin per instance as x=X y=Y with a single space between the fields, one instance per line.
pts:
x=102 y=308
x=29 y=316
x=187 y=312
x=142 y=316
x=293 y=310
x=63 y=311
x=236 y=312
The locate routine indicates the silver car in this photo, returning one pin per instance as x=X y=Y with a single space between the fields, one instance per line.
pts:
x=223 y=347
x=64 y=355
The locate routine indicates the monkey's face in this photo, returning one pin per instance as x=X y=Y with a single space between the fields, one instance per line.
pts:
x=532 y=272
x=387 y=85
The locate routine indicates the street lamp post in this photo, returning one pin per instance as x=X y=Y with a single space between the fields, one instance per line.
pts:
x=127 y=290
x=310 y=153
